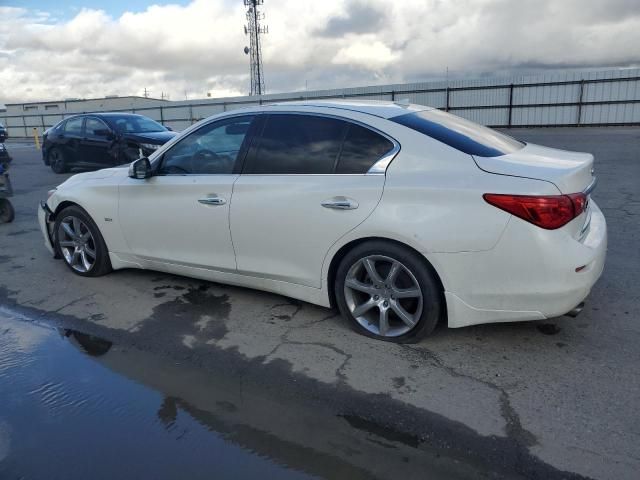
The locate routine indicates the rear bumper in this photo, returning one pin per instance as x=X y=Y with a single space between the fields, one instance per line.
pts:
x=529 y=275
x=46 y=225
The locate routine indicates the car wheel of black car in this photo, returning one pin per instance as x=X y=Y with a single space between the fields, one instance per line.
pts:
x=57 y=161
x=7 y=214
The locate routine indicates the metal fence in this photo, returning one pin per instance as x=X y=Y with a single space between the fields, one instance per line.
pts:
x=587 y=98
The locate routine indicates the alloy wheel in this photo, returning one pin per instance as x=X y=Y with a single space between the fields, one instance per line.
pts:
x=77 y=244
x=383 y=295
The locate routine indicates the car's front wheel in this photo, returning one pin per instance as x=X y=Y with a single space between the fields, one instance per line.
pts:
x=388 y=292
x=80 y=244
x=57 y=161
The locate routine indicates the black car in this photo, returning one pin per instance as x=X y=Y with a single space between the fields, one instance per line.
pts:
x=3 y=133
x=100 y=140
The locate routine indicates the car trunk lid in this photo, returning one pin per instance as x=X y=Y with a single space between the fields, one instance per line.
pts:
x=571 y=172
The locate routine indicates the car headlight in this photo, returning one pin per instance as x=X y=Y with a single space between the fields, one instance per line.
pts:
x=150 y=146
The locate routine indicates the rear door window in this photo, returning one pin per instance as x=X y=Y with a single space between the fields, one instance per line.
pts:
x=297 y=144
x=311 y=144
x=95 y=129
x=459 y=133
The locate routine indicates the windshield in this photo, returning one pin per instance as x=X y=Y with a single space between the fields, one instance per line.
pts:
x=135 y=124
x=459 y=133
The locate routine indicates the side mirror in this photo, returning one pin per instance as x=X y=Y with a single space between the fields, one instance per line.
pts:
x=140 y=169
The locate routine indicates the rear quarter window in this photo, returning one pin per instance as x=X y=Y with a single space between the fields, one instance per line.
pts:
x=459 y=133
x=361 y=149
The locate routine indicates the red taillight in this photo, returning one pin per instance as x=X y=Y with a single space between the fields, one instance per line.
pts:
x=579 y=202
x=545 y=211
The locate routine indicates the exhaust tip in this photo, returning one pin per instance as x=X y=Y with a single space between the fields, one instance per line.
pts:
x=575 y=311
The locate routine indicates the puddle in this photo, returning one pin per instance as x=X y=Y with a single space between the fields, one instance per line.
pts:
x=75 y=406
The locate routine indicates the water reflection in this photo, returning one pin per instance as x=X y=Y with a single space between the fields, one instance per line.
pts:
x=92 y=345
x=102 y=411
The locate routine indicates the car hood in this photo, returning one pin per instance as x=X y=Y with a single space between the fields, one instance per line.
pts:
x=158 y=138
x=120 y=171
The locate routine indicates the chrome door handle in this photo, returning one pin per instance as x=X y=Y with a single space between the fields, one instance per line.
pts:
x=340 y=203
x=212 y=201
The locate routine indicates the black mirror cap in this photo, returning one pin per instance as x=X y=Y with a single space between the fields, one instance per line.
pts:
x=140 y=169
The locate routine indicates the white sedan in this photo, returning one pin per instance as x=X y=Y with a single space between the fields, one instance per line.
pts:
x=399 y=215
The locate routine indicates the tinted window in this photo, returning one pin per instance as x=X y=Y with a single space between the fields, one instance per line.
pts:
x=297 y=144
x=73 y=126
x=95 y=128
x=461 y=134
x=362 y=148
x=212 y=149
x=135 y=124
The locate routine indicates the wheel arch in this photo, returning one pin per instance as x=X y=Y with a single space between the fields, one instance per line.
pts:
x=346 y=248
x=64 y=204
x=102 y=263
x=69 y=203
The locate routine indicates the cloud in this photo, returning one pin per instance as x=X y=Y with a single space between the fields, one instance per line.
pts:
x=197 y=48
x=371 y=54
x=358 y=18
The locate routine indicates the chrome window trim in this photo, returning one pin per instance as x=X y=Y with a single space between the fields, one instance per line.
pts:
x=380 y=167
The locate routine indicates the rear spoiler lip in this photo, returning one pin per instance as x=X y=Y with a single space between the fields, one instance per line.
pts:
x=591 y=187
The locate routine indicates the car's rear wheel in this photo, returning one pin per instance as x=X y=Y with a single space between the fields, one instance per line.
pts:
x=79 y=242
x=57 y=161
x=388 y=292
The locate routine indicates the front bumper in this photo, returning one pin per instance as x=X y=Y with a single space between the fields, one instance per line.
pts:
x=46 y=226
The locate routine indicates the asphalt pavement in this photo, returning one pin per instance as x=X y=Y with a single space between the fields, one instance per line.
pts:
x=550 y=399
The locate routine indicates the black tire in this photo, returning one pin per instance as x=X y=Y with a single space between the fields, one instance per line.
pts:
x=428 y=309
x=102 y=263
x=57 y=161
x=7 y=213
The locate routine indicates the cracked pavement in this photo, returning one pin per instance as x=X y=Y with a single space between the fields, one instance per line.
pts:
x=536 y=400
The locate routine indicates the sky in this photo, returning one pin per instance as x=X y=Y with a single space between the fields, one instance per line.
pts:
x=52 y=50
